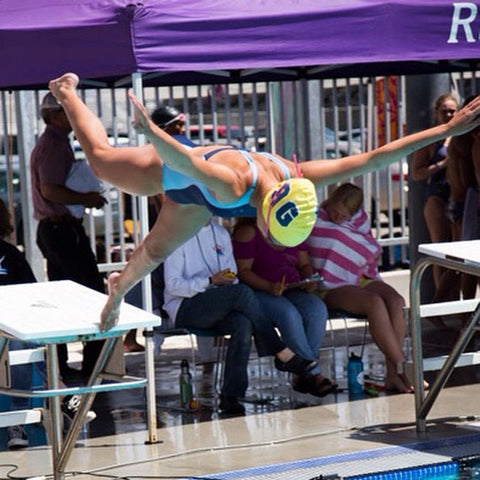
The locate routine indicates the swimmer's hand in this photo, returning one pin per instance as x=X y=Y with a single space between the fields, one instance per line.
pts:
x=465 y=119
x=141 y=120
x=111 y=310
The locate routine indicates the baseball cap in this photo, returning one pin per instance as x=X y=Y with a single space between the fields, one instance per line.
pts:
x=290 y=210
x=166 y=115
x=49 y=102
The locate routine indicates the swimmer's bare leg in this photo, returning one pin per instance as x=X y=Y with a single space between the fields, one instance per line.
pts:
x=135 y=170
x=175 y=224
x=87 y=127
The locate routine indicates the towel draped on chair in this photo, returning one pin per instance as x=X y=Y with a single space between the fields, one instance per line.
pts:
x=344 y=253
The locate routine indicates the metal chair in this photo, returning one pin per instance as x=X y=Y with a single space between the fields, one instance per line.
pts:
x=343 y=315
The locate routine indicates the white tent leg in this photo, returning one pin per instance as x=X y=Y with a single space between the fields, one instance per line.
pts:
x=147 y=298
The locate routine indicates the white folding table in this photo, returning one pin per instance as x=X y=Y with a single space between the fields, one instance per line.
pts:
x=460 y=256
x=49 y=313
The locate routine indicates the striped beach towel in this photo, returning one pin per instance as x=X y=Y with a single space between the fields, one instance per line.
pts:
x=343 y=253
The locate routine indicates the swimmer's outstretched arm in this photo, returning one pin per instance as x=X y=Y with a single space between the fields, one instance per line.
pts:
x=175 y=224
x=325 y=172
x=224 y=181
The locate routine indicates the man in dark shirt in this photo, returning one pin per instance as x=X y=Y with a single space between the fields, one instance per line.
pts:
x=61 y=236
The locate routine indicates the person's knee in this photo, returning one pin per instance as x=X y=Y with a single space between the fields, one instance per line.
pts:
x=245 y=300
x=96 y=154
x=321 y=309
x=374 y=304
x=244 y=293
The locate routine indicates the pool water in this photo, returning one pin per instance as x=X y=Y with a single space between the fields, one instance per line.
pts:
x=467 y=468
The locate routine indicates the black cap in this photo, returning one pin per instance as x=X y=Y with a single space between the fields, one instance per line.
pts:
x=49 y=102
x=165 y=115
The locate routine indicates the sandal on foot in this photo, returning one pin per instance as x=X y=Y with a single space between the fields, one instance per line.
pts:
x=300 y=383
x=295 y=365
x=322 y=388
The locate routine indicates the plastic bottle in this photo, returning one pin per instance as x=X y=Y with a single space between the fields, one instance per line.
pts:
x=186 y=387
x=355 y=375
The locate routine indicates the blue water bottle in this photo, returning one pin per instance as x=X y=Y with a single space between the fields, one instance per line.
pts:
x=355 y=375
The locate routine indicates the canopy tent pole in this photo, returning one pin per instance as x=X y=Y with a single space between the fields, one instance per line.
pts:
x=137 y=86
x=421 y=91
x=26 y=127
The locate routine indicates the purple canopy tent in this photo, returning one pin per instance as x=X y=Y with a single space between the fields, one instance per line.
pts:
x=195 y=41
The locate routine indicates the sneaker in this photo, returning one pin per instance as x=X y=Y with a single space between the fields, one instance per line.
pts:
x=17 y=438
x=70 y=405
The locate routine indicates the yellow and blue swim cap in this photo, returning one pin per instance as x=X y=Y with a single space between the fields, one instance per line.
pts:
x=290 y=210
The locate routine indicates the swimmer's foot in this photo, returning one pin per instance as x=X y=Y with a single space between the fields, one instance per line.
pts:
x=68 y=81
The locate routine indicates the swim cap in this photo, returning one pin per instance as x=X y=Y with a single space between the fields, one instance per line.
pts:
x=290 y=211
x=166 y=115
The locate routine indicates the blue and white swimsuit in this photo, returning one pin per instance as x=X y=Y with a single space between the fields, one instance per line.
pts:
x=185 y=190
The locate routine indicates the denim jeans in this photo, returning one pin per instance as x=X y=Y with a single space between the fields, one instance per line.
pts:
x=233 y=310
x=301 y=318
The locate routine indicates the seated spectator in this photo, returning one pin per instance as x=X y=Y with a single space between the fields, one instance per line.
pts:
x=299 y=315
x=345 y=254
x=14 y=269
x=202 y=292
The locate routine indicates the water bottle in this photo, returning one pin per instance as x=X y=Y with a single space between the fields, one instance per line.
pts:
x=355 y=375
x=186 y=387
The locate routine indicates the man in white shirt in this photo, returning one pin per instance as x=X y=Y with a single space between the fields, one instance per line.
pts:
x=202 y=292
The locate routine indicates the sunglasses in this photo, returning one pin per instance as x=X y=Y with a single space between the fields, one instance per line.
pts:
x=180 y=118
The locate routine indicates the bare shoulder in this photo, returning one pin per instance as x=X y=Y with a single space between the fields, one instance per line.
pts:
x=244 y=233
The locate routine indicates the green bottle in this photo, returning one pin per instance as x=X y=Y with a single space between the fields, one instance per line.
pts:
x=186 y=387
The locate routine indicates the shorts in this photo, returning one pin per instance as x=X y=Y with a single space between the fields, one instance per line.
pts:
x=362 y=282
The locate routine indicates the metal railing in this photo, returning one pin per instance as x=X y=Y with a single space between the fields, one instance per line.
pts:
x=313 y=119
